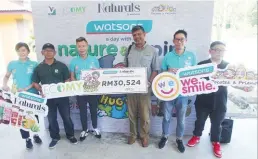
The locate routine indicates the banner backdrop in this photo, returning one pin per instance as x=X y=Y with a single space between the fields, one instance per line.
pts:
x=107 y=27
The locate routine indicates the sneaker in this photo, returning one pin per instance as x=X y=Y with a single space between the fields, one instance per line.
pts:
x=97 y=133
x=193 y=141
x=29 y=144
x=37 y=139
x=53 y=143
x=180 y=146
x=163 y=142
x=216 y=149
x=73 y=140
x=83 y=135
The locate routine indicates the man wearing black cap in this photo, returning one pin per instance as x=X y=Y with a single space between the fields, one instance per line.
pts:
x=52 y=71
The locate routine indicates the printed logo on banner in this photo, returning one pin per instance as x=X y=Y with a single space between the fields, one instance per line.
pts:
x=163 y=9
x=236 y=75
x=91 y=81
x=103 y=49
x=130 y=9
x=116 y=26
x=74 y=10
x=19 y=110
x=187 y=82
x=51 y=10
x=166 y=86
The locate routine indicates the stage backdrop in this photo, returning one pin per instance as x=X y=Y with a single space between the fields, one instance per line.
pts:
x=107 y=26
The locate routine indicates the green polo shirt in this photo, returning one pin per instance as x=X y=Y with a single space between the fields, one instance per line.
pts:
x=175 y=61
x=47 y=74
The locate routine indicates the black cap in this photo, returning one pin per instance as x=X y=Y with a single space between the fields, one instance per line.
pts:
x=48 y=45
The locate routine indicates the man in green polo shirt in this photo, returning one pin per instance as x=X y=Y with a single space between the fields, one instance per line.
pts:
x=52 y=71
x=178 y=58
x=78 y=64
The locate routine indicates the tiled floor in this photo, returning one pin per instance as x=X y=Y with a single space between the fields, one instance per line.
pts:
x=113 y=146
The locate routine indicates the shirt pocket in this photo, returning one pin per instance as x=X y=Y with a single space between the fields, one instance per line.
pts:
x=146 y=61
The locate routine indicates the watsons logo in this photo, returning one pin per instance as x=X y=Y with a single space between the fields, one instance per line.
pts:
x=130 y=9
x=108 y=49
x=116 y=26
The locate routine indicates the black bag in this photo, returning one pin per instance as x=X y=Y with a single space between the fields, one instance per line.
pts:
x=226 y=132
x=126 y=55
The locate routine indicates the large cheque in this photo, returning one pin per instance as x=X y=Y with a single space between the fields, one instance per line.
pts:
x=102 y=81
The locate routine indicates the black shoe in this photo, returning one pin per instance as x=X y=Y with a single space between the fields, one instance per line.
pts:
x=53 y=143
x=180 y=146
x=163 y=142
x=83 y=135
x=37 y=139
x=73 y=140
x=97 y=133
x=29 y=144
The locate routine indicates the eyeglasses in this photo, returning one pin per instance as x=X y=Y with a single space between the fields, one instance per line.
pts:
x=181 y=40
x=219 y=50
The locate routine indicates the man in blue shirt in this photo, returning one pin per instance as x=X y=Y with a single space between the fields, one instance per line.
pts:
x=178 y=58
x=21 y=71
x=78 y=64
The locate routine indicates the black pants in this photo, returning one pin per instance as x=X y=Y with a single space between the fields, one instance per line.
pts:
x=216 y=117
x=26 y=134
x=62 y=104
x=82 y=103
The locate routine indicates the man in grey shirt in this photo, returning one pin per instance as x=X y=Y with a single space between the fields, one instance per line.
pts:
x=141 y=54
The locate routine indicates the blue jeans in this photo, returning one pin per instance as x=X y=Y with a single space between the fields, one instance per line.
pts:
x=180 y=105
x=61 y=104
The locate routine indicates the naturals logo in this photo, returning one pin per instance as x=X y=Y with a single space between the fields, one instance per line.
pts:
x=74 y=10
x=51 y=10
x=163 y=9
x=130 y=9
x=116 y=26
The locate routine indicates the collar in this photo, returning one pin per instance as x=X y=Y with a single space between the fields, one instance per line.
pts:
x=144 y=46
x=82 y=58
x=55 y=61
x=174 y=52
x=222 y=61
x=27 y=60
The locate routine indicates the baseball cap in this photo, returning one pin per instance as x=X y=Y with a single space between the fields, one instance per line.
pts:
x=48 y=45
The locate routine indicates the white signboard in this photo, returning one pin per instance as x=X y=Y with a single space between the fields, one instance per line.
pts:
x=107 y=27
x=98 y=82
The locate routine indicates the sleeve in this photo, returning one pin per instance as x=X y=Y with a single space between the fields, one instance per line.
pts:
x=10 y=67
x=66 y=73
x=164 y=66
x=72 y=66
x=35 y=75
x=155 y=66
x=194 y=62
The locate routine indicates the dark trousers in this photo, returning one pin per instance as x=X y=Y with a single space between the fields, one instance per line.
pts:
x=216 y=117
x=26 y=134
x=82 y=103
x=62 y=104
